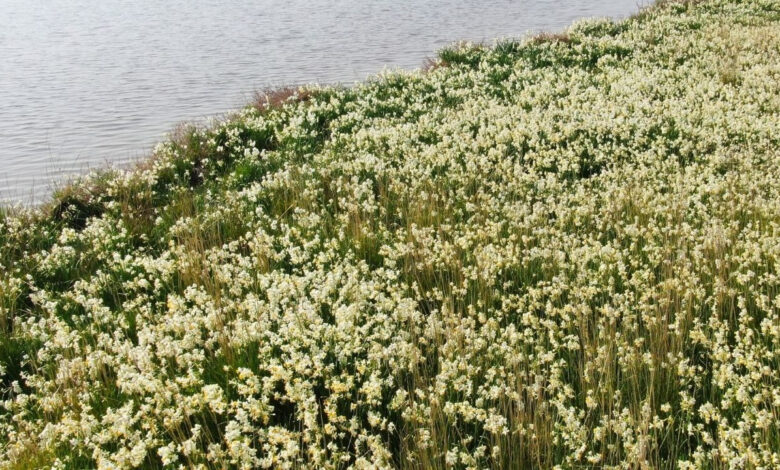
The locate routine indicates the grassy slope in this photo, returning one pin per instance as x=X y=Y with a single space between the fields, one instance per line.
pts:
x=561 y=251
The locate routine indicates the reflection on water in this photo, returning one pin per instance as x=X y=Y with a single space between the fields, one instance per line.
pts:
x=87 y=82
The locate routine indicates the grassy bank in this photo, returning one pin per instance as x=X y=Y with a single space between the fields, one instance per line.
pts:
x=560 y=251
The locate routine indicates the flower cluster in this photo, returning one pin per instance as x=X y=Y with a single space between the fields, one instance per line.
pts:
x=560 y=252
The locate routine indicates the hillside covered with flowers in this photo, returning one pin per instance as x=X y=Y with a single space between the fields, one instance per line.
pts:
x=557 y=252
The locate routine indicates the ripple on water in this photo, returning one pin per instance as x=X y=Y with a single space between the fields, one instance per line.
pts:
x=87 y=82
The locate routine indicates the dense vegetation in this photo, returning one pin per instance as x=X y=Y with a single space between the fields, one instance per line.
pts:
x=561 y=251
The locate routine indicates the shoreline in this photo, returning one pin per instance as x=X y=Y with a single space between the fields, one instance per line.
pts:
x=67 y=169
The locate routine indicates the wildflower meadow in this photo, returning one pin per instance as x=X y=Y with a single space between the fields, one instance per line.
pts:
x=558 y=252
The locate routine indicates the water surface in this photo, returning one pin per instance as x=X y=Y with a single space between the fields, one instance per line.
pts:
x=85 y=83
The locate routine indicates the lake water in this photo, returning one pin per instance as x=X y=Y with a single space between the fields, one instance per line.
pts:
x=86 y=83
